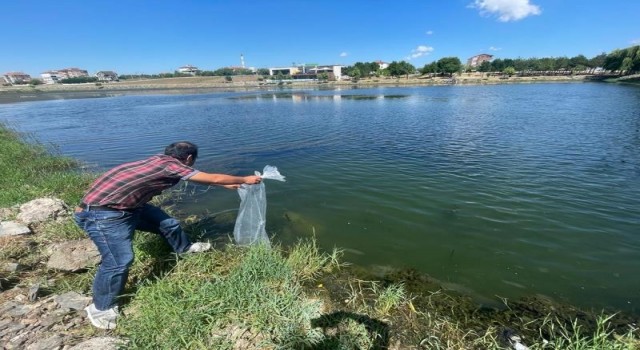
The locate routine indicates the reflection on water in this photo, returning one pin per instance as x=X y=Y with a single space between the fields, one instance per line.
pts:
x=302 y=96
x=493 y=190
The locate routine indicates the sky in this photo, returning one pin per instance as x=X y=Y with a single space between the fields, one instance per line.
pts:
x=155 y=36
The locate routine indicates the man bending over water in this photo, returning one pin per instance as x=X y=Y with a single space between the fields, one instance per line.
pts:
x=116 y=205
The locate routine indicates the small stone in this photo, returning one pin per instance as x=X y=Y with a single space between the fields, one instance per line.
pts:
x=12 y=228
x=13 y=267
x=33 y=292
x=72 y=300
x=53 y=342
x=73 y=255
x=14 y=309
x=49 y=320
x=4 y=323
x=41 y=209
x=12 y=328
x=99 y=343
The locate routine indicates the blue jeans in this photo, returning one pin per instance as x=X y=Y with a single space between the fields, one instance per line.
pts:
x=112 y=232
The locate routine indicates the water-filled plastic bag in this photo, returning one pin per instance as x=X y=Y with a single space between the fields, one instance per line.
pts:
x=252 y=215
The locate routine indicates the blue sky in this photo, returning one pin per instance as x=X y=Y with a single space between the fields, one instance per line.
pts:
x=138 y=36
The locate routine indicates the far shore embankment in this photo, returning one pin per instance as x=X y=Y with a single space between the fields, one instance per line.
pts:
x=23 y=93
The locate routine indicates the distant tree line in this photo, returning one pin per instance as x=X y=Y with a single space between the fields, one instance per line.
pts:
x=622 y=61
x=445 y=65
x=548 y=64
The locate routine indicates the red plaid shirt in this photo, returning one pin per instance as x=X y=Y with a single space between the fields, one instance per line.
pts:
x=131 y=185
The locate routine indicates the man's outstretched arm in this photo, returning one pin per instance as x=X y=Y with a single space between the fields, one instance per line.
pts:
x=223 y=179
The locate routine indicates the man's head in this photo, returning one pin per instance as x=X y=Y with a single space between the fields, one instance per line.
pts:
x=184 y=151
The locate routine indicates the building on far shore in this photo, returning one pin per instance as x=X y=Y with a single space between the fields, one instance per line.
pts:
x=188 y=69
x=50 y=77
x=382 y=65
x=107 y=75
x=477 y=60
x=54 y=76
x=309 y=71
x=16 y=78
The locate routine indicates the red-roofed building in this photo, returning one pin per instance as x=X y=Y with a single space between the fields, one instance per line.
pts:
x=17 y=78
x=477 y=60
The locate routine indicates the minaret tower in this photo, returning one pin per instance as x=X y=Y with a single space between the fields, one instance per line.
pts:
x=242 y=61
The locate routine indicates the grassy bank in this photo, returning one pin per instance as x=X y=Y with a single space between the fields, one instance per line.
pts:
x=280 y=298
x=29 y=170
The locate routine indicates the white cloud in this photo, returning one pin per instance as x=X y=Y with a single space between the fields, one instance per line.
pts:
x=429 y=32
x=493 y=48
x=344 y=54
x=507 y=10
x=635 y=42
x=420 y=51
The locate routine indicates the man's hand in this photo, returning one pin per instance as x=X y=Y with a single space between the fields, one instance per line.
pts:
x=232 y=187
x=252 y=180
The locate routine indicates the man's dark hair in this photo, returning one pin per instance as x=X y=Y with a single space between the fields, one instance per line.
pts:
x=181 y=150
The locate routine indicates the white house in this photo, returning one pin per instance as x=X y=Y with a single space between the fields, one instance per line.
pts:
x=107 y=75
x=51 y=77
x=188 y=69
x=382 y=65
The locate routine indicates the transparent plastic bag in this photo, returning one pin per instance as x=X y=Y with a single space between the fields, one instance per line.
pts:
x=252 y=215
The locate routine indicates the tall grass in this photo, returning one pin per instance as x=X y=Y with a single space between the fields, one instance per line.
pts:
x=28 y=170
x=218 y=299
x=573 y=337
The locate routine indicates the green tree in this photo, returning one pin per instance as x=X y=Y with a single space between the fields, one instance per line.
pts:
x=509 y=71
x=597 y=61
x=520 y=65
x=223 y=72
x=449 y=65
x=263 y=71
x=366 y=69
x=545 y=64
x=634 y=54
x=578 y=62
x=497 y=65
x=363 y=68
x=627 y=65
x=397 y=69
x=561 y=63
x=613 y=61
x=355 y=73
x=430 y=68
x=485 y=67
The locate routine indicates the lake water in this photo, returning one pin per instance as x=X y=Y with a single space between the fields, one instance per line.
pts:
x=506 y=190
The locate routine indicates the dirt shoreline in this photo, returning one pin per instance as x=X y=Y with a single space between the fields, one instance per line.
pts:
x=24 y=93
